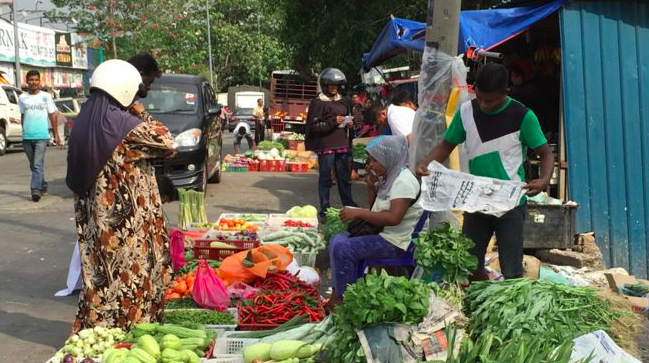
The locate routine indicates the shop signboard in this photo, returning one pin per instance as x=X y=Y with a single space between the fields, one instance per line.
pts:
x=63 y=49
x=47 y=76
x=37 y=45
x=8 y=71
x=67 y=78
x=79 y=51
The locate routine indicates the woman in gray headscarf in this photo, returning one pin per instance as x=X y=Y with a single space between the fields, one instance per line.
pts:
x=392 y=192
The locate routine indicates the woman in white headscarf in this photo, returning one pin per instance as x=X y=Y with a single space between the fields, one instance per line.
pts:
x=392 y=193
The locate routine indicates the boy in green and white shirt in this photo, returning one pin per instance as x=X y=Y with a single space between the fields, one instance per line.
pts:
x=496 y=130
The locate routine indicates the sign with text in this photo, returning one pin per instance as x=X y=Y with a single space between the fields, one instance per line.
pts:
x=79 y=51
x=36 y=44
x=63 y=49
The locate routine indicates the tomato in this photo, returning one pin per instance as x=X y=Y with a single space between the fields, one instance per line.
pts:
x=181 y=287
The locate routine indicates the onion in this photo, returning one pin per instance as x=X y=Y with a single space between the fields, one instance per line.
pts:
x=69 y=358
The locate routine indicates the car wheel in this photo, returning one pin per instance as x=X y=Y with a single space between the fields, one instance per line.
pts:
x=3 y=142
x=216 y=178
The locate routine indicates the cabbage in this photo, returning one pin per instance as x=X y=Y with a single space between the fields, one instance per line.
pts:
x=294 y=212
x=309 y=211
x=274 y=152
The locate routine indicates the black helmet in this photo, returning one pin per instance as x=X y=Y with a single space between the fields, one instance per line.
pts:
x=332 y=76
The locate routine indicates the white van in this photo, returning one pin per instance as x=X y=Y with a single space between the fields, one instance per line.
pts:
x=11 y=129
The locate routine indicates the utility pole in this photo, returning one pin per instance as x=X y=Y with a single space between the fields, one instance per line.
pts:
x=113 y=32
x=443 y=25
x=259 y=44
x=14 y=20
x=209 y=41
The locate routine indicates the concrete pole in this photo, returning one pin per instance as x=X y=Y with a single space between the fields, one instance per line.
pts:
x=14 y=20
x=209 y=41
x=443 y=25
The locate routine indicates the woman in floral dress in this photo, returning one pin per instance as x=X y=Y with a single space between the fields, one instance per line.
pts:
x=123 y=242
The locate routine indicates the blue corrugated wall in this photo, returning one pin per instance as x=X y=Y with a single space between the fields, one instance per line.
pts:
x=605 y=65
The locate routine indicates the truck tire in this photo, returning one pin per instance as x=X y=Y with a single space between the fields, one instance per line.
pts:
x=3 y=141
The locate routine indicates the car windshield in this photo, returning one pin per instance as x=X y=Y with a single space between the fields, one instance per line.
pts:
x=171 y=98
x=243 y=112
x=65 y=106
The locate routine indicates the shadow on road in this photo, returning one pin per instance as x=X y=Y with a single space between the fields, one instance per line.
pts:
x=30 y=329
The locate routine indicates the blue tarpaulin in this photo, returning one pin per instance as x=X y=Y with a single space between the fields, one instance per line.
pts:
x=484 y=29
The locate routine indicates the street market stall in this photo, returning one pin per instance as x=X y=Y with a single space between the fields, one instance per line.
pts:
x=286 y=155
x=247 y=289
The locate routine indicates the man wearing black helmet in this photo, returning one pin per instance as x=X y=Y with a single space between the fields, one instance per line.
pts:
x=327 y=134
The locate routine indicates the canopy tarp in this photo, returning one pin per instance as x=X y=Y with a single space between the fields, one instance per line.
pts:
x=483 y=29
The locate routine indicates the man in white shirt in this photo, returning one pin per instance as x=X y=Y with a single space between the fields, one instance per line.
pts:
x=38 y=112
x=240 y=131
x=401 y=113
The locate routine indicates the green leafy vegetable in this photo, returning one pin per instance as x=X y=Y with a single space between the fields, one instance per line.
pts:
x=375 y=299
x=211 y=317
x=358 y=152
x=186 y=303
x=446 y=248
x=268 y=145
x=333 y=224
x=525 y=309
x=191 y=208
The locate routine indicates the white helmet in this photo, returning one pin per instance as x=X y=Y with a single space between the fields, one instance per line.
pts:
x=120 y=80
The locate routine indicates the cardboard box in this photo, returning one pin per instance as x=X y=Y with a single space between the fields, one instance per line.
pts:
x=615 y=281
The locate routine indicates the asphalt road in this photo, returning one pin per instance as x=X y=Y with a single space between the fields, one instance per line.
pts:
x=37 y=239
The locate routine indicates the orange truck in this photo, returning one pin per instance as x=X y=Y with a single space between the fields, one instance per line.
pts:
x=290 y=95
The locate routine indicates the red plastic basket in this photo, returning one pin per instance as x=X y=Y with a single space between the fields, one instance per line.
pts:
x=202 y=249
x=303 y=167
x=253 y=166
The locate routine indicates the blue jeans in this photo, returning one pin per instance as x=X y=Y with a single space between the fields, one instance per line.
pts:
x=346 y=254
x=35 y=150
x=340 y=163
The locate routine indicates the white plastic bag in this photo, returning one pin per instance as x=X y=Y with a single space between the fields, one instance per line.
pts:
x=74 y=273
x=602 y=347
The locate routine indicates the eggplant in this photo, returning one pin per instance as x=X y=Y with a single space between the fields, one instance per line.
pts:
x=69 y=358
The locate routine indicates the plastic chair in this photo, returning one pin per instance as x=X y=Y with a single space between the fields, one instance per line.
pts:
x=406 y=259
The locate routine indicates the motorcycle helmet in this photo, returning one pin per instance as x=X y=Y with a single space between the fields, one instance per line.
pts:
x=330 y=76
x=120 y=80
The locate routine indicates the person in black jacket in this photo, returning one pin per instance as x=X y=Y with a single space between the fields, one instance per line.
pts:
x=327 y=136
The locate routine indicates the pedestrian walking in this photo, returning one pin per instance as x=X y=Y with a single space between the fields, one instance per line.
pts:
x=37 y=113
x=496 y=131
x=326 y=136
x=259 y=115
x=124 y=245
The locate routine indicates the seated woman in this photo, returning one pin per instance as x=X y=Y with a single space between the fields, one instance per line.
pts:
x=392 y=192
x=371 y=120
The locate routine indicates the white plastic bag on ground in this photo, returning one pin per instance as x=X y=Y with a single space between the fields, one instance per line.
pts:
x=74 y=274
x=602 y=347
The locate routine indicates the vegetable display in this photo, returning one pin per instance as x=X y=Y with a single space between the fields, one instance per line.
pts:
x=375 y=299
x=288 y=351
x=91 y=342
x=296 y=136
x=184 y=303
x=296 y=241
x=175 y=343
x=292 y=223
x=191 y=207
x=206 y=317
x=284 y=281
x=526 y=309
x=446 y=248
x=268 y=145
x=525 y=350
x=181 y=287
x=278 y=307
x=235 y=225
x=333 y=224
x=191 y=263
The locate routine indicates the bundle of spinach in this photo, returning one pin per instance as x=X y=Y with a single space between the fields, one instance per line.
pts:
x=446 y=248
x=209 y=317
x=333 y=224
x=525 y=350
x=375 y=299
x=525 y=309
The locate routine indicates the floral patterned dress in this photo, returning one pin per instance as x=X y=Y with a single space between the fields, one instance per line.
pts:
x=122 y=237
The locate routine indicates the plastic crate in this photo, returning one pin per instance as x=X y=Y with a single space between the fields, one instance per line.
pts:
x=305 y=259
x=202 y=249
x=549 y=226
x=241 y=215
x=277 y=220
x=257 y=327
x=226 y=358
x=226 y=347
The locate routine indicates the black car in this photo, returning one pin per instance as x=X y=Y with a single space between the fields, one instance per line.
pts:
x=187 y=105
x=241 y=115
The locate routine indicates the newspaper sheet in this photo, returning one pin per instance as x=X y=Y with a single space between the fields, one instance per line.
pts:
x=445 y=190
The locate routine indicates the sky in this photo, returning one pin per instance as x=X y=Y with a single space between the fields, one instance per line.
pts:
x=32 y=17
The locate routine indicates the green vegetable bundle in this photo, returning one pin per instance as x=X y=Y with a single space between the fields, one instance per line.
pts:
x=191 y=207
x=207 y=317
x=333 y=224
x=447 y=248
x=525 y=309
x=524 y=351
x=358 y=152
x=268 y=145
x=375 y=299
